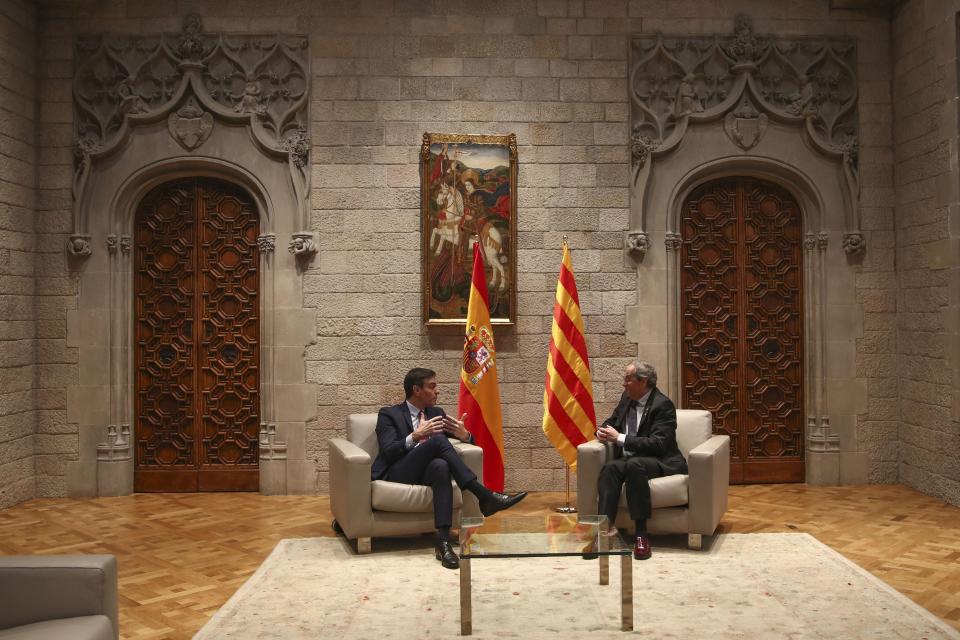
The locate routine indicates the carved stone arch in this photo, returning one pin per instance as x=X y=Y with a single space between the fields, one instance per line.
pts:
x=141 y=181
x=791 y=178
x=129 y=141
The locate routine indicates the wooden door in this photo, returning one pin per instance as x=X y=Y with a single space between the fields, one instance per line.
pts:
x=197 y=345
x=742 y=331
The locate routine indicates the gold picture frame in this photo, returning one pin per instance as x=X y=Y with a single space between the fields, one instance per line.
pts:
x=468 y=188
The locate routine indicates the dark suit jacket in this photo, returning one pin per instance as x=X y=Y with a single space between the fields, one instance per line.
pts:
x=393 y=427
x=657 y=433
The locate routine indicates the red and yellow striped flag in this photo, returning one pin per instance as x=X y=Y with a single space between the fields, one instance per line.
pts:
x=568 y=415
x=479 y=389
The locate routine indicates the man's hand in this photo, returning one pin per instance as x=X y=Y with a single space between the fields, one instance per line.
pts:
x=606 y=433
x=456 y=427
x=428 y=428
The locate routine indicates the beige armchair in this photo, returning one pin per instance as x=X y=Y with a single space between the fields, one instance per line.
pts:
x=692 y=503
x=365 y=508
x=56 y=597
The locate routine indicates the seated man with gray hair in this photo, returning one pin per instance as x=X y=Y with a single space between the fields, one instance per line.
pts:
x=644 y=429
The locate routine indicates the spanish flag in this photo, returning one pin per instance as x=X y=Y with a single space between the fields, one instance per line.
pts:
x=479 y=390
x=568 y=415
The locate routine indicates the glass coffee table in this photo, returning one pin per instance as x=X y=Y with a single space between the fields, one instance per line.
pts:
x=543 y=537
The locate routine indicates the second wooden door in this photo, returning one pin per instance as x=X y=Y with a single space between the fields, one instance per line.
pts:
x=742 y=331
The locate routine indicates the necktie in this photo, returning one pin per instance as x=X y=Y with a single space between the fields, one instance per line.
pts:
x=417 y=426
x=633 y=418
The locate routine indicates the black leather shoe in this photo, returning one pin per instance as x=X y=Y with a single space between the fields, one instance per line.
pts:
x=499 y=502
x=447 y=556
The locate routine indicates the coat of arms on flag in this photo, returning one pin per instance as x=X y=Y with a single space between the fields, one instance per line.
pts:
x=478 y=352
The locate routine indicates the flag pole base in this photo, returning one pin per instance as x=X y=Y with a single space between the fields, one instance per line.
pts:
x=566 y=508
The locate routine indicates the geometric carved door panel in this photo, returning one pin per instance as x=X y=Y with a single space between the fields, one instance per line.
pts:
x=742 y=330
x=196 y=280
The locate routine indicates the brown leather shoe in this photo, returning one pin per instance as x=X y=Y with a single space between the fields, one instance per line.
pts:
x=641 y=550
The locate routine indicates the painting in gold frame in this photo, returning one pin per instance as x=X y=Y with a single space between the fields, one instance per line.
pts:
x=468 y=190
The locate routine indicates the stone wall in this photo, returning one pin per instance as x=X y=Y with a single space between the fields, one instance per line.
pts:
x=18 y=322
x=928 y=245
x=554 y=73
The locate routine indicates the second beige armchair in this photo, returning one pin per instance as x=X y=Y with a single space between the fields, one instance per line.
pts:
x=693 y=503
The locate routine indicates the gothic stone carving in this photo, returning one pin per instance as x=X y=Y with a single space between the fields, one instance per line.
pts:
x=745 y=125
x=823 y=238
x=298 y=145
x=267 y=242
x=638 y=242
x=673 y=241
x=641 y=146
x=250 y=102
x=302 y=245
x=810 y=82
x=118 y=76
x=78 y=246
x=191 y=125
x=259 y=79
x=854 y=243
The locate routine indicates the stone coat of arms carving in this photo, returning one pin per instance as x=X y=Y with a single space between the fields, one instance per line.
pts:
x=745 y=125
x=191 y=125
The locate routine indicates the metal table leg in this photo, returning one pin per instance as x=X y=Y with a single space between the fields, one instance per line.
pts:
x=466 y=608
x=626 y=592
x=604 y=543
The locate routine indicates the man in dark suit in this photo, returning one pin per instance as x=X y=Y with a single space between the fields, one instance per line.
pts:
x=643 y=428
x=414 y=438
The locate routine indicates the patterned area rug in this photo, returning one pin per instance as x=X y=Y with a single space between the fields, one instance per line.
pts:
x=754 y=586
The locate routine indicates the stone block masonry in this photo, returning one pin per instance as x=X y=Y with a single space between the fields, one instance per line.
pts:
x=18 y=315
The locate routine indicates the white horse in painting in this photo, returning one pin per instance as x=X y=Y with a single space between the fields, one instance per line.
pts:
x=447 y=231
x=491 y=243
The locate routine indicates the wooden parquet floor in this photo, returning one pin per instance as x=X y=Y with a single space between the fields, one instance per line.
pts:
x=181 y=556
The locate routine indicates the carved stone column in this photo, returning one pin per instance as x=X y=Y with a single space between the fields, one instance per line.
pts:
x=115 y=463
x=823 y=446
x=273 y=462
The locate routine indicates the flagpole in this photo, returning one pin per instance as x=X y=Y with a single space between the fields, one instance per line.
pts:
x=567 y=507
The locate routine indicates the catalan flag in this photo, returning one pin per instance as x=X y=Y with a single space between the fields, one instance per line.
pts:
x=479 y=389
x=568 y=415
